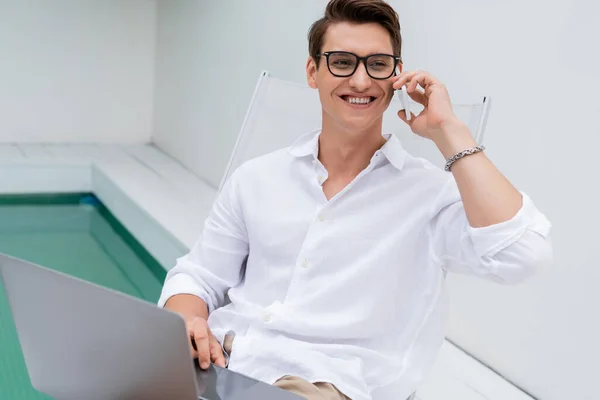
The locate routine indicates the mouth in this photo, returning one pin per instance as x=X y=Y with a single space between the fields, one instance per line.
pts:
x=358 y=102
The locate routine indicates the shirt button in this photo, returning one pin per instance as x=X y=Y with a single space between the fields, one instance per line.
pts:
x=320 y=178
x=267 y=317
x=321 y=218
x=305 y=263
x=315 y=162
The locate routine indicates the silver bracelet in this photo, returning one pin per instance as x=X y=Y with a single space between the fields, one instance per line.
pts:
x=462 y=154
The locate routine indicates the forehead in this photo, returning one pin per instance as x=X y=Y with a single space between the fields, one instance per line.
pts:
x=362 y=39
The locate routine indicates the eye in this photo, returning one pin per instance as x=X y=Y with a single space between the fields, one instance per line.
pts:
x=342 y=62
x=379 y=64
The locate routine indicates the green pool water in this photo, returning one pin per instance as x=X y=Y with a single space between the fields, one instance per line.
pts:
x=77 y=235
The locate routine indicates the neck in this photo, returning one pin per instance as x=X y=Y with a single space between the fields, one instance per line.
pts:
x=346 y=152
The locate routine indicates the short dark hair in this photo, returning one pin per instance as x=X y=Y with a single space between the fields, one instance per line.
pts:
x=356 y=11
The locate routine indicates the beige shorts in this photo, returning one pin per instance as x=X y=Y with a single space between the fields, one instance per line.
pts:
x=299 y=386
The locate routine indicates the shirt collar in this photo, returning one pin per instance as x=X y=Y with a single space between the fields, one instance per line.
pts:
x=393 y=151
x=308 y=144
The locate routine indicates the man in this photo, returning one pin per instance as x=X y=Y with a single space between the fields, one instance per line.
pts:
x=334 y=251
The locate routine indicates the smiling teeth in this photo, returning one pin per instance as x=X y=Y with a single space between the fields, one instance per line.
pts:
x=358 y=100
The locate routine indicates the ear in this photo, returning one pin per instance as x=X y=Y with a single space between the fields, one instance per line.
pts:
x=400 y=66
x=311 y=72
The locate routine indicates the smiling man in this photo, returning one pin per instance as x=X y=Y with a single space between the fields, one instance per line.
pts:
x=333 y=252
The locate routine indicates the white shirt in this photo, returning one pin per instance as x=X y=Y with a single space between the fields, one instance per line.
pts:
x=351 y=290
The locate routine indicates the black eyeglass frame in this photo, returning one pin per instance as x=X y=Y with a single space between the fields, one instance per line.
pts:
x=359 y=59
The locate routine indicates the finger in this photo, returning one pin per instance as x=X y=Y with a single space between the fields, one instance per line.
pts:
x=193 y=346
x=414 y=82
x=423 y=79
x=216 y=353
x=201 y=339
x=404 y=77
x=419 y=97
x=402 y=116
x=396 y=77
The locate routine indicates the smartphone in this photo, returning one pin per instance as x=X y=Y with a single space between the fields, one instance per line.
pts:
x=403 y=97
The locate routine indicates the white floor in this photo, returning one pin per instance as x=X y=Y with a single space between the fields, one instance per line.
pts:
x=164 y=206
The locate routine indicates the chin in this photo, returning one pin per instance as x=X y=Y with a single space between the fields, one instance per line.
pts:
x=359 y=125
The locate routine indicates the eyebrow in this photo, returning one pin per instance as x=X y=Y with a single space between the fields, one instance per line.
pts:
x=368 y=54
x=380 y=52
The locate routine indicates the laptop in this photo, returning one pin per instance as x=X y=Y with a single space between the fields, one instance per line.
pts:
x=84 y=341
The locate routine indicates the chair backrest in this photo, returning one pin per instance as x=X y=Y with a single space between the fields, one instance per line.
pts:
x=280 y=111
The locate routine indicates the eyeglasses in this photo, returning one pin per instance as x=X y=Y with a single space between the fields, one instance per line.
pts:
x=344 y=64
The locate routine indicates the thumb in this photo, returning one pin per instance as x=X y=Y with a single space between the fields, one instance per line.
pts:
x=402 y=116
x=216 y=352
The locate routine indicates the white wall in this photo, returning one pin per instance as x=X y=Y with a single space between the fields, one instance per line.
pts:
x=209 y=56
x=535 y=58
x=76 y=70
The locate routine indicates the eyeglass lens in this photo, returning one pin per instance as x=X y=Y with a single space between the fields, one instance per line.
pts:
x=378 y=66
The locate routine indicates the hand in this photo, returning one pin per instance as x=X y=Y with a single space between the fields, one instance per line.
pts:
x=207 y=346
x=435 y=99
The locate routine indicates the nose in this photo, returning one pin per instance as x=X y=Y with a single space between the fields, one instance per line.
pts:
x=360 y=80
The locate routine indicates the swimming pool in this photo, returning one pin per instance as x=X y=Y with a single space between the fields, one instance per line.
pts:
x=75 y=234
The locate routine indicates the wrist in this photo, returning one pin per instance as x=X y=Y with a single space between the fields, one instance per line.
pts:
x=188 y=306
x=454 y=137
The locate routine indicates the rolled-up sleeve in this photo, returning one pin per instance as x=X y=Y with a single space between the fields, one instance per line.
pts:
x=507 y=252
x=214 y=264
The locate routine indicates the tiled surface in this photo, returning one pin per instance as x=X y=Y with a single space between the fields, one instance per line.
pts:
x=60 y=237
x=160 y=188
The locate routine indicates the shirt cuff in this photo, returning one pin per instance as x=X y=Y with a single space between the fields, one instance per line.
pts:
x=490 y=240
x=183 y=284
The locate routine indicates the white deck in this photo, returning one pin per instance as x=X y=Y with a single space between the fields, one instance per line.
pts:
x=159 y=201
x=164 y=206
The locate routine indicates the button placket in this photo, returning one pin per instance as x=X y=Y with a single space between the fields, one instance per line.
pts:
x=272 y=310
x=320 y=170
x=301 y=265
